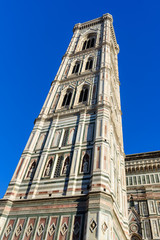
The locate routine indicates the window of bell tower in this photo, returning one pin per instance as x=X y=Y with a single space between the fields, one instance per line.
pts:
x=76 y=68
x=67 y=98
x=89 y=42
x=83 y=95
x=89 y=64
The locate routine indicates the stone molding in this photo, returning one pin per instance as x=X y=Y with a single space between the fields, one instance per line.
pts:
x=142 y=162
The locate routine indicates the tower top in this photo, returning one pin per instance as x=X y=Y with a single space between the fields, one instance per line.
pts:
x=93 y=22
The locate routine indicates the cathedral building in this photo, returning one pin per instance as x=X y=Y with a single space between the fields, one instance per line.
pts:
x=143 y=189
x=70 y=182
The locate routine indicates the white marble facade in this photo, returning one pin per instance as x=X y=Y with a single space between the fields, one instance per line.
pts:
x=77 y=137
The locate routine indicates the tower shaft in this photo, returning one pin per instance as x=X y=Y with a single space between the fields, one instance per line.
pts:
x=70 y=180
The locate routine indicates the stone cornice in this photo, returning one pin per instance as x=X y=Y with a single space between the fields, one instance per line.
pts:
x=72 y=111
x=88 y=23
x=83 y=75
x=89 y=50
x=82 y=52
x=93 y=22
x=142 y=162
x=141 y=156
x=55 y=199
x=76 y=77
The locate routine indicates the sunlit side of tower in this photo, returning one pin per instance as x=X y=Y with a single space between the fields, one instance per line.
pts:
x=70 y=180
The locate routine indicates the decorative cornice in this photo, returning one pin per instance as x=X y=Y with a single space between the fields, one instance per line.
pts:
x=108 y=16
x=72 y=111
x=87 y=24
x=142 y=162
x=82 y=52
x=76 y=26
x=141 y=156
x=93 y=22
x=81 y=76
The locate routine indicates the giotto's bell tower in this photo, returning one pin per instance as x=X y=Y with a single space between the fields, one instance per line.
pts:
x=70 y=179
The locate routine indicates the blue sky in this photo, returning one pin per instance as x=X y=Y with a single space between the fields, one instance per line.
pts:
x=34 y=37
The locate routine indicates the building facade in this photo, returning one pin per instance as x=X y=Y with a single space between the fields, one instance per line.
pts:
x=70 y=179
x=143 y=189
x=70 y=182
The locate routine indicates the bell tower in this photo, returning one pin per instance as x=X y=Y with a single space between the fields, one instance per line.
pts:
x=70 y=180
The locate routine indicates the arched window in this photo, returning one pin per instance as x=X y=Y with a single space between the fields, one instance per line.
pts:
x=48 y=168
x=84 y=94
x=92 y=42
x=89 y=43
x=76 y=68
x=89 y=64
x=31 y=170
x=67 y=98
x=84 y=45
x=85 y=164
x=66 y=166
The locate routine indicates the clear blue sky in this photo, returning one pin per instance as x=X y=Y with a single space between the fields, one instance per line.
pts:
x=34 y=37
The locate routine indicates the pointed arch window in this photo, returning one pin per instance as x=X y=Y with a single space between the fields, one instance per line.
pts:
x=67 y=98
x=84 y=45
x=92 y=42
x=89 y=64
x=89 y=43
x=76 y=68
x=83 y=95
